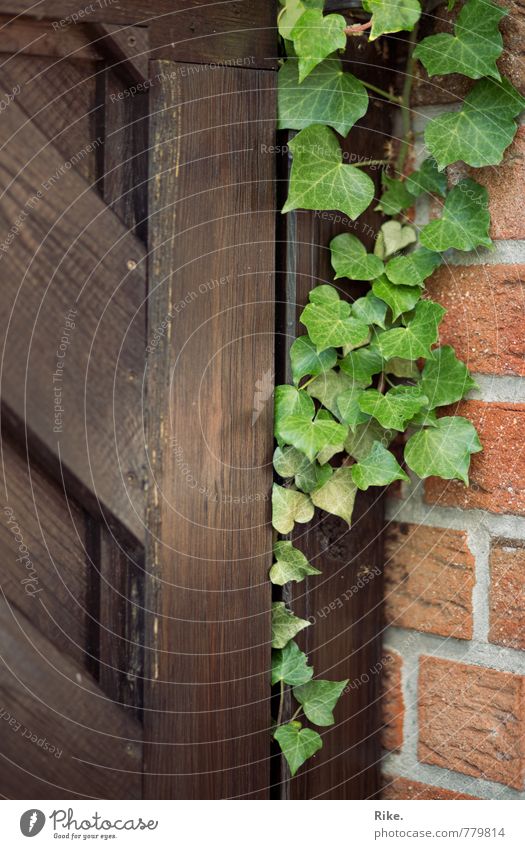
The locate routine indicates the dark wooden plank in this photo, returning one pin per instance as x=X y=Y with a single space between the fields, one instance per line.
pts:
x=127 y=49
x=39 y=38
x=42 y=554
x=72 y=275
x=49 y=697
x=210 y=340
x=185 y=30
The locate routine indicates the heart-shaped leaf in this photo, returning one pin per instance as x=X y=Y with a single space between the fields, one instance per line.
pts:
x=427 y=179
x=309 y=436
x=315 y=36
x=393 y=237
x=292 y=11
x=445 y=379
x=464 y=222
x=392 y=15
x=350 y=259
x=396 y=196
x=290 y=665
x=297 y=744
x=338 y=495
x=400 y=299
x=284 y=625
x=318 y=699
x=328 y=387
x=360 y=442
x=332 y=325
x=290 y=565
x=290 y=401
x=306 y=361
x=443 y=450
x=350 y=412
x=378 y=468
x=361 y=365
x=414 y=340
x=288 y=507
x=395 y=408
x=412 y=269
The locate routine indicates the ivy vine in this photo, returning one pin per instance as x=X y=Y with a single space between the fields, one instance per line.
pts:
x=368 y=370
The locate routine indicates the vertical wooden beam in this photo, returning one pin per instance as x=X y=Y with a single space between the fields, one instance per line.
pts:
x=210 y=377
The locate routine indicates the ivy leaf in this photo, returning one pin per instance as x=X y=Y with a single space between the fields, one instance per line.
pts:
x=393 y=237
x=288 y=507
x=315 y=36
x=428 y=179
x=297 y=744
x=350 y=412
x=310 y=437
x=400 y=299
x=290 y=401
x=305 y=359
x=412 y=269
x=396 y=196
x=324 y=294
x=293 y=9
x=361 y=365
x=424 y=418
x=395 y=408
x=338 y=495
x=464 y=222
x=360 y=443
x=443 y=450
x=290 y=565
x=329 y=450
x=284 y=625
x=402 y=368
x=331 y=325
x=445 y=379
x=318 y=699
x=370 y=310
x=350 y=259
x=481 y=131
x=288 y=461
x=378 y=468
x=392 y=15
x=474 y=47
x=415 y=339
x=319 y=180
x=313 y=475
x=290 y=665
x=327 y=96
x=327 y=387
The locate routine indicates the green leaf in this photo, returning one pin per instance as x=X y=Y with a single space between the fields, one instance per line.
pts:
x=402 y=368
x=319 y=180
x=318 y=699
x=464 y=223
x=392 y=15
x=412 y=269
x=288 y=461
x=396 y=196
x=284 y=625
x=370 y=310
x=428 y=179
x=338 y=495
x=329 y=450
x=350 y=259
x=313 y=475
x=290 y=401
x=293 y=9
x=327 y=96
x=378 y=468
x=395 y=408
x=481 y=131
x=400 y=299
x=360 y=443
x=290 y=665
x=305 y=359
x=350 y=412
x=311 y=436
x=443 y=450
x=361 y=365
x=415 y=339
x=393 y=237
x=324 y=294
x=424 y=418
x=297 y=744
x=327 y=387
x=474 y=47
x=288 y=507
x=315 y=36
x=332 y=325
x=445 y=379
x=290 y=565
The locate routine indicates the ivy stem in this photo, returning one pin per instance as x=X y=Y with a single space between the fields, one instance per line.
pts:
x=297 y=712
x=281 y=705
x=371 y=162
x=405 y=103
x=382 y=383
x=393 y=98
x=308 y=382
x=356 y=29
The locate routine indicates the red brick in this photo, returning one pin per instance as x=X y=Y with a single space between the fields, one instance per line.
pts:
x=485 y=305
x=429 y=575
x=497 y=474
x=472 y=720
x=507 y=594
x=396 y=787
x=393 y=702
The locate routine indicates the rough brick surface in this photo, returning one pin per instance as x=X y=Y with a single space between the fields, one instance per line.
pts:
x=472 y=720
x=393 y=703
x=507 y=594
x=497 y=474
x=429 y=575
x=396 y=787
x=485 y=304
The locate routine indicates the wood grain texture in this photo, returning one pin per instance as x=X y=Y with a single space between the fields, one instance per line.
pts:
x=69 y=251
x=210 y=349
x=182 y=30
x=55 y=700
x=38 y=38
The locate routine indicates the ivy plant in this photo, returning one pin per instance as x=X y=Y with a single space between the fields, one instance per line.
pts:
x=370 y=369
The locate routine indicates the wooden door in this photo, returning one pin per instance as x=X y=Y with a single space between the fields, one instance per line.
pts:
x=139 y=260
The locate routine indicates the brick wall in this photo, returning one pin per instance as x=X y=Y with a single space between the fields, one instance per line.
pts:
x=454 y=686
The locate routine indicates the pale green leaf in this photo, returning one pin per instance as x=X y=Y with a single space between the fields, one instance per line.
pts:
x=290 y=401
x=320 y=180
x=392 y=15
x=395 y=408
x=443 y=450
x=445 y=379
x=305 y=359
x=414 y=340
x=350 y=412
x=324 y=294
x=338 y=495
x=350 y=259
x=309 y=436
x=393 y=237
x=328 y=387
x=412 y=269
x=288 y=507
x=292 y=11
x=360 y=442
x=284 y=625
x=288 y=461
x=315 y=36
x=297 y=744
x=332 y=325
x=290 y=665
x=378 y=468
x=318 y=699
x=400 y=299
x=290 y=565
x=370 y=310
x=464 y=222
